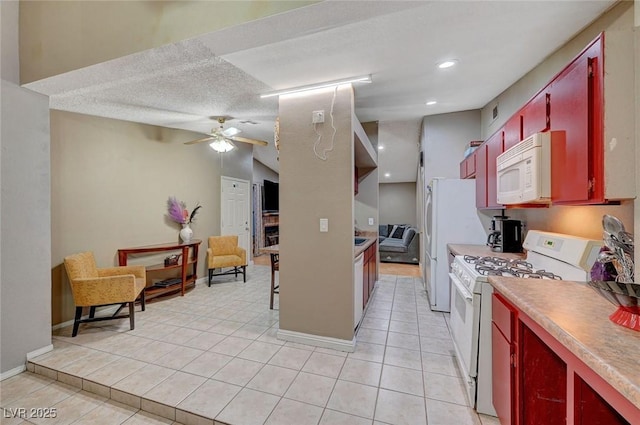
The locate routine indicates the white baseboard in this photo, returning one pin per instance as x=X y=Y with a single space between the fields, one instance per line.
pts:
x=317 y=340
x=12 y=372
x=39 y=351
x=17 y=370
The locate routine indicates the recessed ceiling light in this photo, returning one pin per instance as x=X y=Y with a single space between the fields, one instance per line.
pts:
x=447 y=64
x=380 y=147
x=431 y=102
x=387 y=174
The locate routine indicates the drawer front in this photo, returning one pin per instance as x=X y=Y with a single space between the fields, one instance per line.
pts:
x=503 y=316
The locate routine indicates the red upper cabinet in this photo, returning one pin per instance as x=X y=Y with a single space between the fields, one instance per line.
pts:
x=535 y=114
x=495 y=146
x=513 y=131
x=574 y=92
x=593 y=154
x=481 y=176
x=596 y=161
x=468 y=167
x=486 y=171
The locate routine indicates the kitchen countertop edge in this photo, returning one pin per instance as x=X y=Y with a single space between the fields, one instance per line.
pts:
x=359 y=249
x=577 y=317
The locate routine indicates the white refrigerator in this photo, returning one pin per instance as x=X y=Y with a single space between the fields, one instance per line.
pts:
x=450 y=217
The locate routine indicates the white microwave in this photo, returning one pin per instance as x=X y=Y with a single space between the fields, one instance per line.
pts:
x=524 y=171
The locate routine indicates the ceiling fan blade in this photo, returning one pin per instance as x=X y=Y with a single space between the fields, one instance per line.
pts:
x=252 y=141
x=204 y=139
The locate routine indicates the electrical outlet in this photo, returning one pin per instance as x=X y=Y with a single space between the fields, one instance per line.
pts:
x=317 y=117
x=324 y=225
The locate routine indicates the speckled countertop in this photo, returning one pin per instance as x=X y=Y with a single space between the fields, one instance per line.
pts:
x=359 y=249
x=480 y=251
x=578 y=317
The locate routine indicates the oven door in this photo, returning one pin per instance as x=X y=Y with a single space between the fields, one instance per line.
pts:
x=465 y=324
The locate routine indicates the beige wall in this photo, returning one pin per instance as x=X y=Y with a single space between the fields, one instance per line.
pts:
x=443 y=140
x=316 y=269
x=366 y=203
x=110 y=184
x=398 y=203
x=60 y=36
x=585 y=221
x=25 y=228
x=261 y=172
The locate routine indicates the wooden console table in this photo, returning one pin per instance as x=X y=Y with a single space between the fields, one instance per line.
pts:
x=187 y=263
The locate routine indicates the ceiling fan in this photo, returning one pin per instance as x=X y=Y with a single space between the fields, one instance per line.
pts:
x=222 y=139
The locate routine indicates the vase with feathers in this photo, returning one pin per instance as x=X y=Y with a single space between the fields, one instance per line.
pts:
x=177 y=211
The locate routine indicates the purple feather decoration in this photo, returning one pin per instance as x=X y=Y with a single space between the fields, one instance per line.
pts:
x=175 y=210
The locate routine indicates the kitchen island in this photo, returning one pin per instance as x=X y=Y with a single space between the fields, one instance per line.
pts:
x=563 y=355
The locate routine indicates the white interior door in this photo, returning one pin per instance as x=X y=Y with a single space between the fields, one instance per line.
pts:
x=236 y=210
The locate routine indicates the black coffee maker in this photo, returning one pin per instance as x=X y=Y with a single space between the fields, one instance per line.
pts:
x=506 y=234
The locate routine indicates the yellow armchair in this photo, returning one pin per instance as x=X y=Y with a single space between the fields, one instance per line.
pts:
x=94 y=287
x=223 y=252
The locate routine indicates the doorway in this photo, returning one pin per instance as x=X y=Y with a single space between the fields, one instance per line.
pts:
x=235 y=209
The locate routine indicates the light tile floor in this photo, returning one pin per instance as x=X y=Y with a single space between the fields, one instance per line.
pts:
x=212 y=356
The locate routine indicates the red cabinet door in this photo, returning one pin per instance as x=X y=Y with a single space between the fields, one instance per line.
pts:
x=504 y=346
x=543 y=395
x=513 y=131
x=535 y=115
x=481 y=176
x=471 y=165
x=574 y=94
x=495 y=146
x=503 y=376
x=468 y=167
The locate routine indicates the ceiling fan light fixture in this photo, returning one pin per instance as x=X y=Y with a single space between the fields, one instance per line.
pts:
x=231 y=131
x=360 y=79
x=447 y=63
x=221 y=145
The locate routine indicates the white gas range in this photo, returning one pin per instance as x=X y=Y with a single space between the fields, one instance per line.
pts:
x=549 y=256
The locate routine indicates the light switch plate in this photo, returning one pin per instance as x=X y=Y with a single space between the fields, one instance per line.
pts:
x=324 y=224
x=370 y=221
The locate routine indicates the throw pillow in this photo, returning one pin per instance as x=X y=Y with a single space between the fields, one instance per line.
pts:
x=397 y=232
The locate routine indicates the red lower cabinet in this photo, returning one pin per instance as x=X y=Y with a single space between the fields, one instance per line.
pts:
x=504 y=348
x=592 y=409
x=544 y=382
x=538 y=381
x=370 y=272
x=503 y=377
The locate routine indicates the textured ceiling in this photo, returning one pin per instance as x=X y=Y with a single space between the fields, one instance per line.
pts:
x=183 y=85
